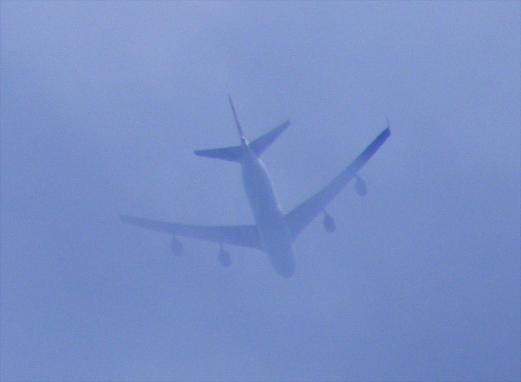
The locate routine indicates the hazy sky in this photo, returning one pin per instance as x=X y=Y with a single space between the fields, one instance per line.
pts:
x=102 y=104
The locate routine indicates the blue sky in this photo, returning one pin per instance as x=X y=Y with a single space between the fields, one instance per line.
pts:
x=102 y=104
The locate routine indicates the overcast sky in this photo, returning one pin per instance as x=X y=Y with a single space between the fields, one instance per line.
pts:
x=102 y=104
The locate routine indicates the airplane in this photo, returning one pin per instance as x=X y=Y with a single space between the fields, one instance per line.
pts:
x=274 y=231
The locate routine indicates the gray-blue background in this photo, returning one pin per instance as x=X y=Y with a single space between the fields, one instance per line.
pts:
x=101 y=105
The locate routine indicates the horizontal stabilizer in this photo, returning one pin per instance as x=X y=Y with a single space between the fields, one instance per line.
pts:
x=232 y=154
x=263 y=142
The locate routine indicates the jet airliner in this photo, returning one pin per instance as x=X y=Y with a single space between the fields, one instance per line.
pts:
x=273 y=231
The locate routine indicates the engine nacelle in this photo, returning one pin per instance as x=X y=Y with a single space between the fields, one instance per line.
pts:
x=224 y=257
x=360 y=186
x=329 y=223
x=176 y=246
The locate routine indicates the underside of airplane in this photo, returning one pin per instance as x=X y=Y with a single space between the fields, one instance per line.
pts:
x=273 y=231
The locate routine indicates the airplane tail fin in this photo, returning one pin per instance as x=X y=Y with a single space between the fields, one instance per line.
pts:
x=237 y=123
x=234 y=153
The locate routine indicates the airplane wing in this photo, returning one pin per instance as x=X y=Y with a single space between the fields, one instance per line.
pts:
x=303 y=214
x=241 y=235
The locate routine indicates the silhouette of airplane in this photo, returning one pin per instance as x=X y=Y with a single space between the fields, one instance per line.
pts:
x=274 y=231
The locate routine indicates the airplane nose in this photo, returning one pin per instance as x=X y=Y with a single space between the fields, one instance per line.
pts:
x=287 y=274
x=287 y=271
x=283 y=263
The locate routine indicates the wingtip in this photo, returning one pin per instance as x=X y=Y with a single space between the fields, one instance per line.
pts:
x=387 y=130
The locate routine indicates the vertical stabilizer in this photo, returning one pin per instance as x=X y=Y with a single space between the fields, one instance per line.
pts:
x=239 y=127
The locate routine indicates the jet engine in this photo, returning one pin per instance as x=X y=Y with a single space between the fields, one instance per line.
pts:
x=224 y=257
x=329 y=223
x=360 y=186
x=176 y=246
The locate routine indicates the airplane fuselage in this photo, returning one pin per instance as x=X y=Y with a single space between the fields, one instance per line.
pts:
x=273 y=230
